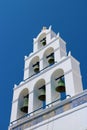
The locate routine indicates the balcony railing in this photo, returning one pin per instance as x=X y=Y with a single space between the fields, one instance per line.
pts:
x=52 y=109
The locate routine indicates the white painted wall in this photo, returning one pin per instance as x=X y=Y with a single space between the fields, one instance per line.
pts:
x=75 y=119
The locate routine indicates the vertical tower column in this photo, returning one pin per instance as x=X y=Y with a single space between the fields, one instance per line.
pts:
x=73 y=84
x=69 y=84
x=57 y=55
x=35 y=47
x=41 y=62
x=26 y=69
x=30 y=108
x=14 y=110
x=48 y=93
x=48 y=90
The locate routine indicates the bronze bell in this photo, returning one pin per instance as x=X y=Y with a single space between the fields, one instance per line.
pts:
x=24 y=108
x=42 y=95
x=43 y=41
x=61 y=86
x=51 y=59
x=36 y=67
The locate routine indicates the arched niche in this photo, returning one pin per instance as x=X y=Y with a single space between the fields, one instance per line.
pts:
x=41 y=41
x=58 y=91
x=23 y=101
x=34 y=66
x=48 y=57
x=39 y=95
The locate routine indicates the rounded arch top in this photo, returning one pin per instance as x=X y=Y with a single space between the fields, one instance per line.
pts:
x=48 y=51
x=42 y=38
x=39 y=83
x=43 y=32
x=23 y=93
x=57 y=73
x=34 y=60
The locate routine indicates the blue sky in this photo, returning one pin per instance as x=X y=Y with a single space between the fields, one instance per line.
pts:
x=20 y=22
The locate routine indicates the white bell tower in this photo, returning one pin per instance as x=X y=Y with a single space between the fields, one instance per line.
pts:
x=52 y=79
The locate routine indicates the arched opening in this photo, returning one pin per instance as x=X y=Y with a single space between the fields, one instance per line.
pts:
x=39 y=95
x=23 y=103
x=58 y=90
x=42 y=41
x=48 y=57
x=34 y=66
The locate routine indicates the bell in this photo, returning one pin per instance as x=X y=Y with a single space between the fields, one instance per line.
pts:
x=51 y=59
x=61 y=86
x=36 y=67
x=42 y=95
x=25 y=105
x=43 y=41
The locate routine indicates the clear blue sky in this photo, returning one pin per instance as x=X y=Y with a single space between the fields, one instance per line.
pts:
x=20 y=22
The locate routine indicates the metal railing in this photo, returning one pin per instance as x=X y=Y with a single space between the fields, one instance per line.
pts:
x=40 y=71
x=29 y=114
x=52 y=109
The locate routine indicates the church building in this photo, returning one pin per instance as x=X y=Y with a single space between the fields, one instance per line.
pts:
x=51 y=95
